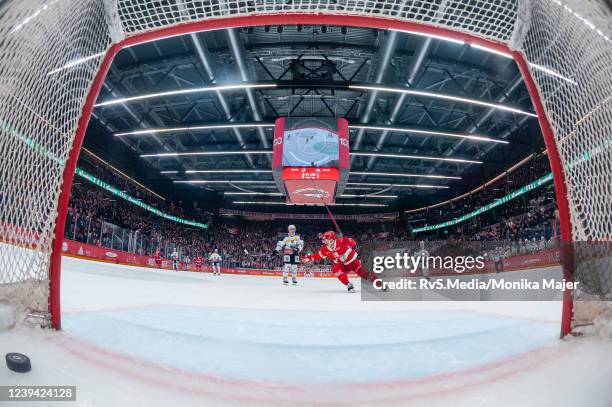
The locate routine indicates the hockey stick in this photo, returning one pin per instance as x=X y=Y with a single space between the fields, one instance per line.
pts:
x=329 y=212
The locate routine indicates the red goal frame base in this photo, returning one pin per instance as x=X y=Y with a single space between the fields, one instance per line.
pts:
x=283 y=19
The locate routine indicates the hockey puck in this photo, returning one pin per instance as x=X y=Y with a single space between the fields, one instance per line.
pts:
x=18 y=362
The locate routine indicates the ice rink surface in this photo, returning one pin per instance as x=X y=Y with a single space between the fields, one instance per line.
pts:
x=144 y=337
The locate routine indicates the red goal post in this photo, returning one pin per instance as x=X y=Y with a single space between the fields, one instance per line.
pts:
x=56 y=55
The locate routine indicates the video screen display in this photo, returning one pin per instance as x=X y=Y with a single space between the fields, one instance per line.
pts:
x=310 y=146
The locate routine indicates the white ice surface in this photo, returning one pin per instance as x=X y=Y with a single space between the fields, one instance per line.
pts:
x=134 y=336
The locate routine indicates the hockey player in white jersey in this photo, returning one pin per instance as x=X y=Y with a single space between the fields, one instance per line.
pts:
x=215 y=260
x=175 y=259
x=423 y=254
x=290 y=247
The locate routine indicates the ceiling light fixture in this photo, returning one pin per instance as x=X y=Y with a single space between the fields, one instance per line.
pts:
x=401 y=174
x=437 y=37
x=416 y=157
x=428 y=132
x=254 y=193
x=193 y=128
x=186 y=91
x=442 y=96
x=196 y=153
x=368 y=196
x=376 y=184
x=221 y=181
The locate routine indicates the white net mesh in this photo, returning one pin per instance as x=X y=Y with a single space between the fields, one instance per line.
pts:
x=39 y=111
x=52 y=50
x=486 y=18
x=569 y=48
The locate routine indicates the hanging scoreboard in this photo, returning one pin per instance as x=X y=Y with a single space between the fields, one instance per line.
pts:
x=310 y=160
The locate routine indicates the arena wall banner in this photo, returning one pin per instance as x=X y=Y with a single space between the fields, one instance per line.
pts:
x=545 y=258
x=19 y=236
x=366 y=217
x=91 y=252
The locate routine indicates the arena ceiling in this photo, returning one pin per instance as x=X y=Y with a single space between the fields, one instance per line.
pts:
x=398 y=90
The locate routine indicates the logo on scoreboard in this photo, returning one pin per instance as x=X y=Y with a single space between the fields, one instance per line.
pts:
x=312 y=193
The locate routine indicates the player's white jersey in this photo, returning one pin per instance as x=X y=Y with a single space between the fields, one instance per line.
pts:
x=215 y=258
x=422 y=255
x=290 y=247
x=498 y=255
x=291 y=243
x=174 y=256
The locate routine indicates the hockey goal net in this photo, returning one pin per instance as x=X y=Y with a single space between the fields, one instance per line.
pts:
x=55 y=55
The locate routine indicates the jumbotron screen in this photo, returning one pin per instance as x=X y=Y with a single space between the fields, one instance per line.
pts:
x=310 y=143
x=309 y=154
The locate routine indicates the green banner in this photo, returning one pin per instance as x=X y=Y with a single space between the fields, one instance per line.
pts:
x=536 y=184
x=122 y=195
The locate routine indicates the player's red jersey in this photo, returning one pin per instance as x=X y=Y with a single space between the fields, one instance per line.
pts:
x=343 y=252
x=157 y=258
x=197 y=260
x=345 y=259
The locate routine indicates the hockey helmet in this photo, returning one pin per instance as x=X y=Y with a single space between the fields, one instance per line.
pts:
x=329 y=235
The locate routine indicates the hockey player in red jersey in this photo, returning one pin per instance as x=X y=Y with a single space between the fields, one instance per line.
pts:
x=158 y=260
x=197 y=261
x=341 y=251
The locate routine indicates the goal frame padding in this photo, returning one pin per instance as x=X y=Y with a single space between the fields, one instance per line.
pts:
x=284 y=19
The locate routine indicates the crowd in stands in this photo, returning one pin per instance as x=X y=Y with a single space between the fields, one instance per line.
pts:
x=529 y=216
x=98 y=217
x=529 y=172
x=252 y=243
x=117 y=180
x=519 y=222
